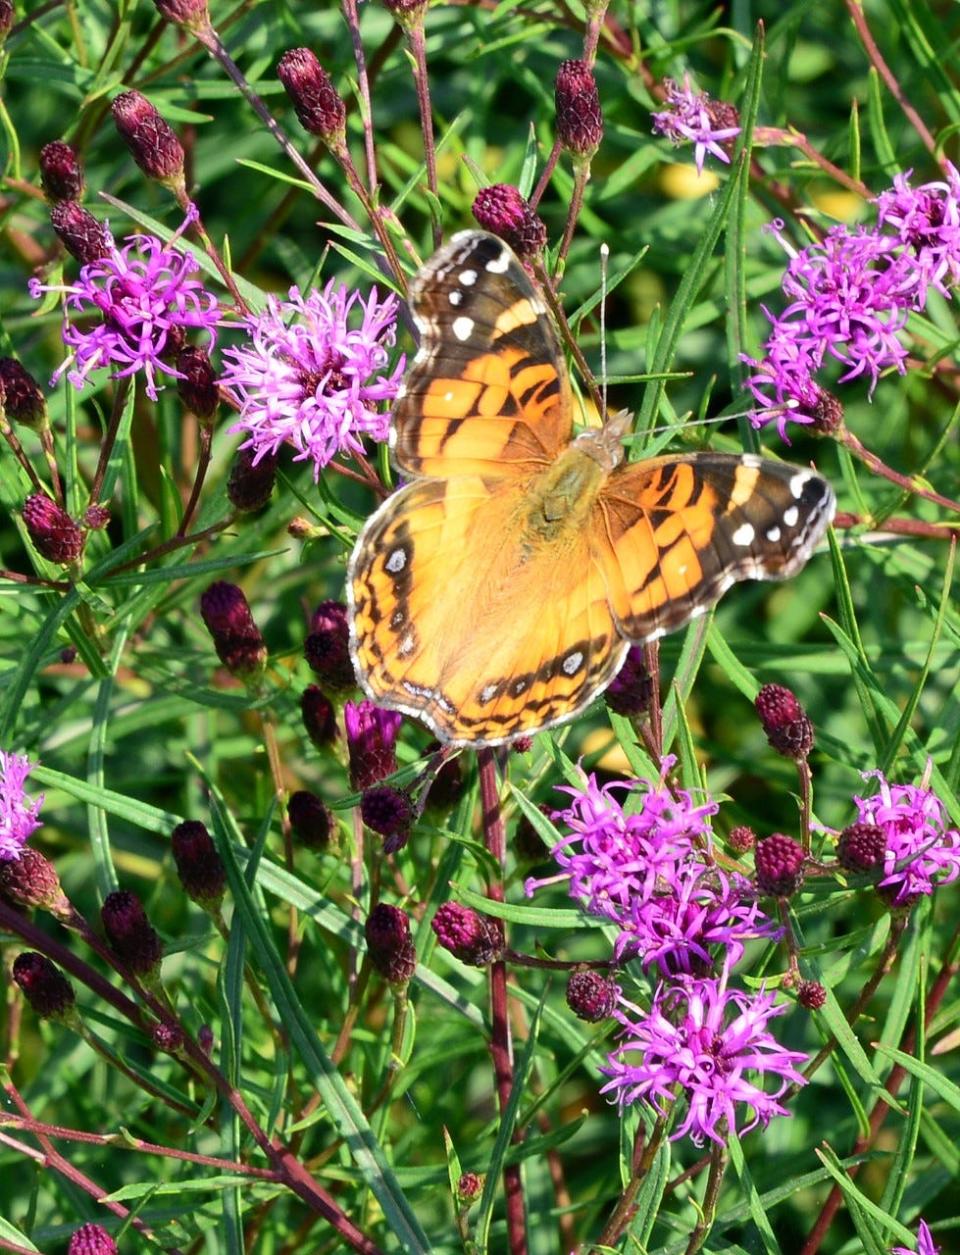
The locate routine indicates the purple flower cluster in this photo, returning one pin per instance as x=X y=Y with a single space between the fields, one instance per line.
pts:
x=921 y=852
x=19 y=814
x=714 y=1044
x=146 y=300
x=693 y=117
x=925 y=1244
x=638 y=855
x=309 y=379
x=849 y=297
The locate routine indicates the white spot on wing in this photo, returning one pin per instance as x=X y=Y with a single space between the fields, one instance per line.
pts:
x=497 y=265
x=752 y=460
x=448 y=396
x=572 y=663
x=396 y=561
x=773 y=534
x=743 y=535
x=463 y=327
x=487 y=692
x=468 y=278
x=406 y=645
x=456 y=296
x=797 y=483
x=790 y=516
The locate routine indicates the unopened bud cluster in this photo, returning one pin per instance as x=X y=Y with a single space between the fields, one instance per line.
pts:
x=389 y=943
x=501 y=209
x=789 y=730
x=236 y=637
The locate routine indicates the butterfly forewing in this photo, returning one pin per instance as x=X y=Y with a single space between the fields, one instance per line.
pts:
x=488 y=391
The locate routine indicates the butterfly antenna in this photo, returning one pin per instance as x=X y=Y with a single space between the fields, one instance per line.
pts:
x=604 y=259
x=771 y=413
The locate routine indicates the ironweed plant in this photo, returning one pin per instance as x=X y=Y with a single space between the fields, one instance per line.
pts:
x=286 y=974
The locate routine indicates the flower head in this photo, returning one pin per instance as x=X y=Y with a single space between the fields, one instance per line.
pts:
x=615 y=852
x=251 y=481
x=309 y=379
x=579 y=118
x=319 y=716
x=81 y=234
x=319 y=105
x=236 y=637
x=32 y=881
x=692 y=117
x=43 y=985
x=632 y=686
x=779 y=861
x=91 y=1239
x=713 y=1043
x=54 y=533
x=921 y=851
x=153 y=143
x=371 y=737
x=327 y=647
x=19 y=814
x=61 y=171
x=925 y=1245
x=591 y=996
x=20 y=395
x=500 y=208
x=473 y=938
x=926 y=221
x=389 y=943
x=146 y=299
x=310 y=820
x=199 y=865
x=132 y=937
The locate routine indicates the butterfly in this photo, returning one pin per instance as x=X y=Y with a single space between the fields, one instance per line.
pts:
x=498 y=591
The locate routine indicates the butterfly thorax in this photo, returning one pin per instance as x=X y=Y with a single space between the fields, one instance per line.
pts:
x=562 y=497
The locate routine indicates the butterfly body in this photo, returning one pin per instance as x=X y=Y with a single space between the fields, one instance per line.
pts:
x=497 y=593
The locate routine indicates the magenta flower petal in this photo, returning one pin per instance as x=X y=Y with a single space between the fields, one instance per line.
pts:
x=921 y=851
x=693 y=117
x=19 y=814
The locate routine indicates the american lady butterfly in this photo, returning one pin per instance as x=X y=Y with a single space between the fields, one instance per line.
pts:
x=498 y=592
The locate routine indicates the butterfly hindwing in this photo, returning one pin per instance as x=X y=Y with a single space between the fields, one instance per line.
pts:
x=675 y=532
x=488 y=391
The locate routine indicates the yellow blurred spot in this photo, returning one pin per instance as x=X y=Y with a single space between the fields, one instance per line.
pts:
x=838 y=203
x=681 y=182
x=612 y=758
x=588 y=415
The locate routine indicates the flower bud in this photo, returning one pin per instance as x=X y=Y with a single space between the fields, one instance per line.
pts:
x=310 y=820
x=44 y=986
x=167 y=1036
x=197 y=384
x=61 y=171
x=23 y=402
x=152 y=142
x=96 y=517
x=31 y=881
x=389 y=812
x=319 y=716
x=54 y=534
x=827 y=413
x=472 y=938
x=741 y=839
x=788 y=729
x=501 y=209
x=192 y=15
x=811 y=994
x=779 y=861
x=407 y=12
x=236 y=637
x=446 y=788
x=205 y=1038
x=521 y=745
x=199 y=865
x=469 y=1188
x=327 y=647
x=131 y=936
x=80 y=233
x=6 y=19
x=91 y=1239
x=389 y=943
x=317 y=102
x=632 y=687
x=251 y=481
x=591 y=996
x=861 y=847
x=371 y=738
x=579 y=119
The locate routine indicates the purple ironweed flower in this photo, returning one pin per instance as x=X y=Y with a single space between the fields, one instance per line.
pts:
x=621 y=853
x=713 y=1043
x=692 y=907
x=389 y=943
x=44 y=986
x=693 y=117
x=61 y=171
x=146 y=298
x=471 y=937
x=579 y=119
x=31 y=881
x=18 y=813
x=926 y=221
x=132 y=937
x=199 y=865
x=308 y=379
x=925 y=1244
x=501 y=209
x=310 y=820
x=921 y=852
x=91 y=1239
x=371 y=737
x=591 y=996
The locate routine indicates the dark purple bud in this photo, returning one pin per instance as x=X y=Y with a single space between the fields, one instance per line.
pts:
x=236 y=637
x=469 y=1187
x=389 y=812
x=81 y=234
x=197 y=384
x=205 y=1038
x=811 y=994
x=191 y=14
x=317 y=102
x=861 y=847
x=44 y=986
x=68 y=655
x=327 y=647
x=528 y=845
x=55 y=535
x=96 y=517
x=741 y=839
x=371 y=738
x=827 y=413
x=407 y=12
x=6 y=19
x=91 y=1239
x=789 y=730
x=779 y=861
x=389 y=943
x=310 y=820
x=632 y=687
x=319 y=716
x=31 y=881
x=591 y=996
x=473 y=938
x=22 y=399
x=446 y=788
x=61 y=171
x=152 y=142
x=501 y=209
x=199 y=865
x=521 y=744
x=251 y=480
x=132 y=937
x=167 y=1036
x=579 y=120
